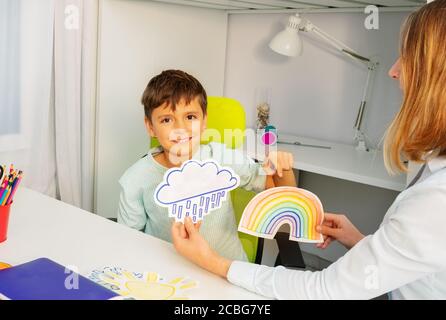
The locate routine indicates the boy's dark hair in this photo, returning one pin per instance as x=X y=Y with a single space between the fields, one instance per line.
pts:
x=170 y=86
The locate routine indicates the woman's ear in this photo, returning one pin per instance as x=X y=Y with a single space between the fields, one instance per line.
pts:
x=149 y=127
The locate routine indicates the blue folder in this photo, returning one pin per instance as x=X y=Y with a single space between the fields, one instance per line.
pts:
x=44 y=279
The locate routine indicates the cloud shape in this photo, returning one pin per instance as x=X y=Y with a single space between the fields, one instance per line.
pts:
x=193 y=180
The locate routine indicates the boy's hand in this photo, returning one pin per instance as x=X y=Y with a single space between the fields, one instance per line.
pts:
x=278 y=161
x=183 y=231
x=188 y=241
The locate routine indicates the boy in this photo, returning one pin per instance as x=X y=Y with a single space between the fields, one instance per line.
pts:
x=175 y=113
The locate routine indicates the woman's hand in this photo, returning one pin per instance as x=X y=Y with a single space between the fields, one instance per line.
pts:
x=188 y=241
x=338 y=227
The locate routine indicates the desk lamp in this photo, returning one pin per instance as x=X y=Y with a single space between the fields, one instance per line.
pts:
x=289 y=43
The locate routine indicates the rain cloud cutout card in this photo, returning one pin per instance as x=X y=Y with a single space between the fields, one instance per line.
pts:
x=195 y=189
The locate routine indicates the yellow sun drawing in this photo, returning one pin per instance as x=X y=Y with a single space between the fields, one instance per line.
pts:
x=143 y=286
x=4 y=265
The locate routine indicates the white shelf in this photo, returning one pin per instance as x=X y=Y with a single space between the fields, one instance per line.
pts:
x=260 y=5
x=341 y=161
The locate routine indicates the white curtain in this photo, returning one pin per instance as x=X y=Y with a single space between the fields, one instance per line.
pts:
x=75 y=51
x=58 y=45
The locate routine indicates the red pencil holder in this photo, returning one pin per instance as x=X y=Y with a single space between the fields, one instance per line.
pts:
x=4 y=219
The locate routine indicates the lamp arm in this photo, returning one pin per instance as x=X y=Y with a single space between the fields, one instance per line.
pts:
x=365 y=95
x=307 y=26
x=342 y=47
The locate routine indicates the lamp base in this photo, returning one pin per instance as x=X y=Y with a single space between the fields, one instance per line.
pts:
x=360 y=139
x=362 y=147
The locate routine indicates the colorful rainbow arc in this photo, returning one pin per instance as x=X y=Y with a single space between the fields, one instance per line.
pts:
x=270 y=209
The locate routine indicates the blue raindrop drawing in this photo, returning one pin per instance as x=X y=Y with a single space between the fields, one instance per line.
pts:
x=195 y=189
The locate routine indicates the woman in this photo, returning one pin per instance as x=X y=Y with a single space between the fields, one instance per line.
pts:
x=407 y=254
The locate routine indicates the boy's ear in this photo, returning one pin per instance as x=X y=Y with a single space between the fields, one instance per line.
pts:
x=149 y=127
x=204 y=124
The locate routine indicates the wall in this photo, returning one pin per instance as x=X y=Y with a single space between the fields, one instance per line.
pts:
x=139 y=39
x=321 y=86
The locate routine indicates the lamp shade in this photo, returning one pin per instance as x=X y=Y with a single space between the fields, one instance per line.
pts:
x=288 y=41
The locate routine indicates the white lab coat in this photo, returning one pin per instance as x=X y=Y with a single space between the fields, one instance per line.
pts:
x=406 y=256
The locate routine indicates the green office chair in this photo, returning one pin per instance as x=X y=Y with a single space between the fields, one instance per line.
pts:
x=225 y=113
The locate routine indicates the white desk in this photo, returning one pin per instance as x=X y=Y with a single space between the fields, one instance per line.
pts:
x=341 y=161
x=43 y=227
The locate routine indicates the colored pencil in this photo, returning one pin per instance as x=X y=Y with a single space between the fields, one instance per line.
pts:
x=8 y=190
x=5 y=180
x=14 y=189
x=4 y=193
x=3 y=169
x=9 y=183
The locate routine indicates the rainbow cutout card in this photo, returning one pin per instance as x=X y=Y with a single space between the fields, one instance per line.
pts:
x=270 y=209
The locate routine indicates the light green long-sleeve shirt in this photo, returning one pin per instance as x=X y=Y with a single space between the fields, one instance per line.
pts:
x=138 y=210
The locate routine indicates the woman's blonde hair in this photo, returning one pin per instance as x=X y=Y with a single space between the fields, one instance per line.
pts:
x=419 y=129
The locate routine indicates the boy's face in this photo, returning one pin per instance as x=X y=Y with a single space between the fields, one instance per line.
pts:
x=178 y=131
